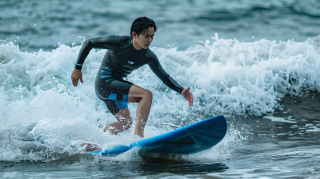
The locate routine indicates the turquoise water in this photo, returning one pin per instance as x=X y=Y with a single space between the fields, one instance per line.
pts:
x=255 y=62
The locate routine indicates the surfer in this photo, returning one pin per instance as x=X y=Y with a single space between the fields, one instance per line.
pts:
x=125 y=54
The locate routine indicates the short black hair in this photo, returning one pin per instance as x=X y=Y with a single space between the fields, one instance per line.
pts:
x=142 y=23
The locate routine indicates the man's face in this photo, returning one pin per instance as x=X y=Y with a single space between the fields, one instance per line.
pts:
x=145 y=38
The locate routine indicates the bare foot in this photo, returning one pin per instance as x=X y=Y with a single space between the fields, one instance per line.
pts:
x=90 y=147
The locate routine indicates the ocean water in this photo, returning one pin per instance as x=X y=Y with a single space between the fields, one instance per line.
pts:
x=255 y=62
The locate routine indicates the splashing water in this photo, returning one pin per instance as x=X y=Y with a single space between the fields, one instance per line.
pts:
x=44 y=117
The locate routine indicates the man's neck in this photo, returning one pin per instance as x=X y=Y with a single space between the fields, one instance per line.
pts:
x=136 y=45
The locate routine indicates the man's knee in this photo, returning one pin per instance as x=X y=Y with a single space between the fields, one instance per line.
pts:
x=148 y=94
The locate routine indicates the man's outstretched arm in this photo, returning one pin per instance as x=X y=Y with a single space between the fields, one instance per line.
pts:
x=157 y=69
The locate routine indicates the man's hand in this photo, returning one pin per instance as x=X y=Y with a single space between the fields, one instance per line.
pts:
x=188 y=95
x=75 y=76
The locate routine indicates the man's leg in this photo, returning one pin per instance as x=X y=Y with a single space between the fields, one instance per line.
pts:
x=136 y=95
x=144 y=98
x=124 y=122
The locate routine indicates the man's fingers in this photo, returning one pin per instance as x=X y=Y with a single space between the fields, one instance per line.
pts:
x=81 y=80
x=188 y=96
x=190 y=99
x=74 y=82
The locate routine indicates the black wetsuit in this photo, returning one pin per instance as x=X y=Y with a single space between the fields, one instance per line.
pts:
x=119 y=61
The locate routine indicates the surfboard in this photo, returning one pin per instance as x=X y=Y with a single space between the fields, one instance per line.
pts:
x=186 y=140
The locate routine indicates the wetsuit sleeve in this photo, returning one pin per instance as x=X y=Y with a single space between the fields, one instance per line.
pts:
x=157 y=69
x=100 y=43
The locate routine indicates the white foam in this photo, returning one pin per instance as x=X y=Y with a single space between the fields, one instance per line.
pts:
x=279 y=119
x=226 y=76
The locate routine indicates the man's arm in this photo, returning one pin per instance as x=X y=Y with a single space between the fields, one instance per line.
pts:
x=100 y=42
x=108 y=42
x=166 y=79
x=157 y=69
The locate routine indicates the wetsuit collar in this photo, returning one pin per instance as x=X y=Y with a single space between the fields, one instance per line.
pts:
x=132 y=47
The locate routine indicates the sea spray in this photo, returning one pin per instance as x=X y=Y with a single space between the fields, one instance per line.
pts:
x=42 y=113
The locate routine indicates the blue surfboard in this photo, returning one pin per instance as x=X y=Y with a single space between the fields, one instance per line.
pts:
x=187 y=140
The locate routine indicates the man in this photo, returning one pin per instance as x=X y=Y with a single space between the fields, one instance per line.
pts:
x=124 y=55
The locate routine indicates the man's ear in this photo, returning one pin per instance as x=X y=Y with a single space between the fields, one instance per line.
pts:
x=134 y=34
